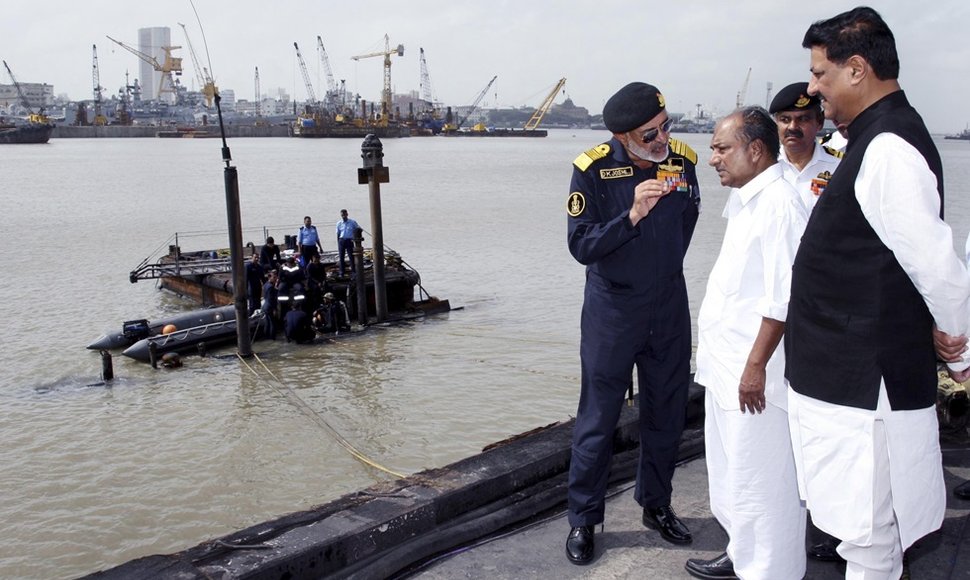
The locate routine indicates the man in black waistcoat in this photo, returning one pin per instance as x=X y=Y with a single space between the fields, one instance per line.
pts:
x=875 y=270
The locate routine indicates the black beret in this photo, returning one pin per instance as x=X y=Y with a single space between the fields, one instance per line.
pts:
x=794 y=97
x=632 y=106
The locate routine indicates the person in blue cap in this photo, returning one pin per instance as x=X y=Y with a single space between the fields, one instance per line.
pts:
x=632 y=208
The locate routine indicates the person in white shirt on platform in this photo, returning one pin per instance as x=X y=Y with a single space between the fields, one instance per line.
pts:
x=751 y=469
x=807 y=164
x=874 y=272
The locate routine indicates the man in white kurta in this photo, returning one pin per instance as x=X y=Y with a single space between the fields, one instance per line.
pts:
x=751 y=470
x=867 y=445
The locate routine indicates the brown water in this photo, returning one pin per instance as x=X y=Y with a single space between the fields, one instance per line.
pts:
x=160 y=460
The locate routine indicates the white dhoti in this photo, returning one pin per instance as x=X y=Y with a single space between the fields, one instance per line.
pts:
x=873 y=479
x=754 y=493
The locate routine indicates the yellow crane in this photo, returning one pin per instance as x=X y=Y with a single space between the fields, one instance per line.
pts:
x=386 y=93
x=40 y=117
x=744 y=90
x=170 y=64
x=206 y=84
x=532 y=123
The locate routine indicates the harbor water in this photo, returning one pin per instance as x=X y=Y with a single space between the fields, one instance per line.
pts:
x=93 y=474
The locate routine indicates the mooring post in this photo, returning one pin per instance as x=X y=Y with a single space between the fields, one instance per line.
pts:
x=239 y=286
x=359 y=281
x=373 y=173
x=107 y=367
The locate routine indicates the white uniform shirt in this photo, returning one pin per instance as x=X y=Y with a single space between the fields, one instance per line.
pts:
x=751 y=279
x=810 y=182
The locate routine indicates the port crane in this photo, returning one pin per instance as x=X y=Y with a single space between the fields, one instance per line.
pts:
x=206 y=83
x=336 y=94
x=536 y=118
x=169 y=65
x=427 y=94
x=32 y=117
x=99 y=118
x=744 y=90
x=471 y=109
x=311 y=96
x=386 y=93
x=256 y=100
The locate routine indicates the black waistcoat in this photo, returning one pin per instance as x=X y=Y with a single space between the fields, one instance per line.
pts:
x=855 y=315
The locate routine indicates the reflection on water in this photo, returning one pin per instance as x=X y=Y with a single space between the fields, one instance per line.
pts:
x=159 y=460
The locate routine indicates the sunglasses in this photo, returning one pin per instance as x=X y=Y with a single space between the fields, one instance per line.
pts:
x=651 y=134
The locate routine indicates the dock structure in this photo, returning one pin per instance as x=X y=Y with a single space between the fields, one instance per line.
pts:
x=500 y=515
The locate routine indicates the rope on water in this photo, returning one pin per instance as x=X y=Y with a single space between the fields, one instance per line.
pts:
x=310 y=412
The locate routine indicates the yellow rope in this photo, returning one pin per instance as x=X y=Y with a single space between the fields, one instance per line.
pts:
x=291 y=395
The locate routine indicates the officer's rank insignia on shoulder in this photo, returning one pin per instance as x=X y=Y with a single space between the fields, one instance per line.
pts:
x=616 y=172
x=684 y=150
x=587 y=157
x=820 y=181
x=576 y=204
x=833 y=152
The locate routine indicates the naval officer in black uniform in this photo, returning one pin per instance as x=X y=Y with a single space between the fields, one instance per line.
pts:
x=632 y=207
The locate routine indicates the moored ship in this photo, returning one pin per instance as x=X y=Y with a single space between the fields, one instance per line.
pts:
x=26 y=133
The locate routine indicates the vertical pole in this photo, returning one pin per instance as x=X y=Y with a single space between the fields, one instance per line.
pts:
x=373 y=173
x=359 y=280
x=239 y=288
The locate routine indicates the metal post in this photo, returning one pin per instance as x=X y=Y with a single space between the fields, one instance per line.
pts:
x=239 y=287
x=373 y=173
x=107 y=368
x=359 y=281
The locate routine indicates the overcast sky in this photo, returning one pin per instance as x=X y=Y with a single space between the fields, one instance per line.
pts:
x=696 y=52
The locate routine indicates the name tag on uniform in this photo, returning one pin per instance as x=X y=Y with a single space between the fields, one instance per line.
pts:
x=616 y=173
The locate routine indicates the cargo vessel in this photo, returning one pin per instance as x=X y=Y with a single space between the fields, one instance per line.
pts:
x=26 y=133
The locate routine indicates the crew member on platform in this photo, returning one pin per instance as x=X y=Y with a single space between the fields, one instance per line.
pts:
x=807 y=164
x=750 y=466
x=308 y=240
x=873 y=273
x=632 y=208
x=345 y=240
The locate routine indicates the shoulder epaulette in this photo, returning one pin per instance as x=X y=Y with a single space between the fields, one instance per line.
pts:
x=684 y=150
x=833 y=152
x=587 y=158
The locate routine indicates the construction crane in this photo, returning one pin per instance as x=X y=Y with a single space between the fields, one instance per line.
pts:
x=206 y=84
x=256 y=101
x=386 y=93
x=744 y=90
x=99 y=118
x=533 y=122
x=325 y=60
x=427 y=94
x=310 y=94
x=471 y=109
x=32 y=117
x=170 y=65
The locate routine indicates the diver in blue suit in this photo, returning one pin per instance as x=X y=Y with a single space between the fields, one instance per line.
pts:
x=632 y=208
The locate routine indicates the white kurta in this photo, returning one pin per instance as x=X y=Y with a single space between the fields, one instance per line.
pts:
x=810 y=182
x=751 y=469
x=845 y=453
x=751 y=279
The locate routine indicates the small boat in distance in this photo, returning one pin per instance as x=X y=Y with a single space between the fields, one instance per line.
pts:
x=25 y=133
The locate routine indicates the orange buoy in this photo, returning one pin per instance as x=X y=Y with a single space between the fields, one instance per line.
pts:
x=169 y=329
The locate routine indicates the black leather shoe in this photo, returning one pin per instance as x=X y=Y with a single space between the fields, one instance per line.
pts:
x=825 y=551
x=579 y=545
x=719 y=568
x=664 y=520
x=962 y=491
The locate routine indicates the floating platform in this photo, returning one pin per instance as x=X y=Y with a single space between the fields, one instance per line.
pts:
x=206 y=278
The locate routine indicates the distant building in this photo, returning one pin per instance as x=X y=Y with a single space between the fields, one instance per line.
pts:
x=227 y=99
x=157 y=43
x=39 y=95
